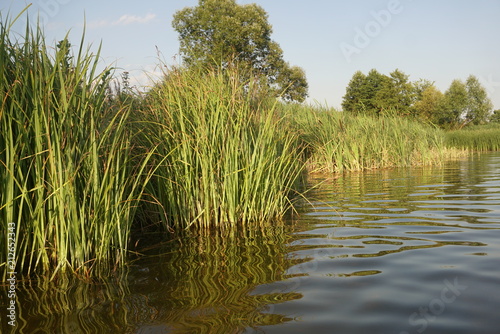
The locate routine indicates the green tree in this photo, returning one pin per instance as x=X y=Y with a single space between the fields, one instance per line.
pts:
x=370 y=96
x=376 y=92
x=429 y=104
x=455 y=105
x=352 y=100
x=479 y=106
x=396 y=93
x=292 y=84
x=495 y=116
x=223 y=32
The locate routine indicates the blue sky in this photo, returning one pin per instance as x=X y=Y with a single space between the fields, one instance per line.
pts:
x=439 y=40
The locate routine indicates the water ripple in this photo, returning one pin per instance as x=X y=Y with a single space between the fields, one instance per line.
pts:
x=379 y=247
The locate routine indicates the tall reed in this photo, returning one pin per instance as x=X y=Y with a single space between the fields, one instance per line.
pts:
x=476 y=138
x=69 y=180
x=226 y=158
x=338 y=141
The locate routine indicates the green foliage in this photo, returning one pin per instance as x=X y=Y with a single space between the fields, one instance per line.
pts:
x=465 y=103
x=69 y=178
x=354 y=98
x=476 y=138
x=429 y=104
x=339 y=141
x=222 y=32
x=479 y=106
x=396 y=93
x=377 y=93
x=495 y=116
x=220 y=159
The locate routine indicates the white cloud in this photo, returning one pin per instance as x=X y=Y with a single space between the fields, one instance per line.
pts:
x=123 y=20
x=130 y=19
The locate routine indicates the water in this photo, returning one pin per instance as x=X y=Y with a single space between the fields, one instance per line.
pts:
x=393 y=251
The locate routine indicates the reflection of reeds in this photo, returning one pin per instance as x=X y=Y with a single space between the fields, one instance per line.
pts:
x=213 y=276
x=201 y=283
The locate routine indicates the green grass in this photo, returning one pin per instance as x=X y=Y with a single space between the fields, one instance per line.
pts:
x=222 y=158
x=80 y=173
x=338 y=142
x=477 y=138
x=69 y=179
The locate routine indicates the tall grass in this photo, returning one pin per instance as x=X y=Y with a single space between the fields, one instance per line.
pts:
x=69 y=180
x=204 y=149
x=338 y=142
x=476 y=138
x=227 y=159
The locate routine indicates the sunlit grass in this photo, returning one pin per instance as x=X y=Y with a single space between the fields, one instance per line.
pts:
x=338 y=142
x=68 y=177
x=204 y=148
x=226 y=159
x=476 y=138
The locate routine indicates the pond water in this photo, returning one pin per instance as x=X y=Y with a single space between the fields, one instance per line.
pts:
x=391 y=251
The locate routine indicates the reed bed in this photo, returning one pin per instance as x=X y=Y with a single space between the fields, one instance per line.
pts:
x=476 y=138
x=338 y=142
x=221 y=156
x=80 y=173
x=69 y=177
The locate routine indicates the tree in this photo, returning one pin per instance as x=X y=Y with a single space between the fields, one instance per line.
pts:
x=429 y=104
x=395 y=94
x=370 y=92
x=376 y=93
x=479 y=106
x=221 y=32
x=455 y=105
x=495 y=116
x=352 y=100
x=292 y=84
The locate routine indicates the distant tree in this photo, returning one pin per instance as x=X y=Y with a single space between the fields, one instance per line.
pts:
x=429 y=104
x=353 y=99
x=495 y=116
x=292 y=84
x=374 y=83
x=455 y=105
x=396 y=93
x=222 y=32
x=479 y=106
x=375 y=93
x=419 y=87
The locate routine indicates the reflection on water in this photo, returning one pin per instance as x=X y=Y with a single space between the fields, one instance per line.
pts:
x=196 y=283
x=392 y=251
x=387 y=249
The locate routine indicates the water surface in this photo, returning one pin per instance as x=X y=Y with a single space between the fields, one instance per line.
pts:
x=389 y=251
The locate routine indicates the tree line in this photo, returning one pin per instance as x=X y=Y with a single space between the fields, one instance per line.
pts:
x=461 y=104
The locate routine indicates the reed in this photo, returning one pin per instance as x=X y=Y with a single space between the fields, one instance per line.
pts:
x=222 y=156
x=338 y=141
x=69 y=177
x=476 y=138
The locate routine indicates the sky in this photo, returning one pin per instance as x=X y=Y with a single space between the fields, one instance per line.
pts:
x=437 y=40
